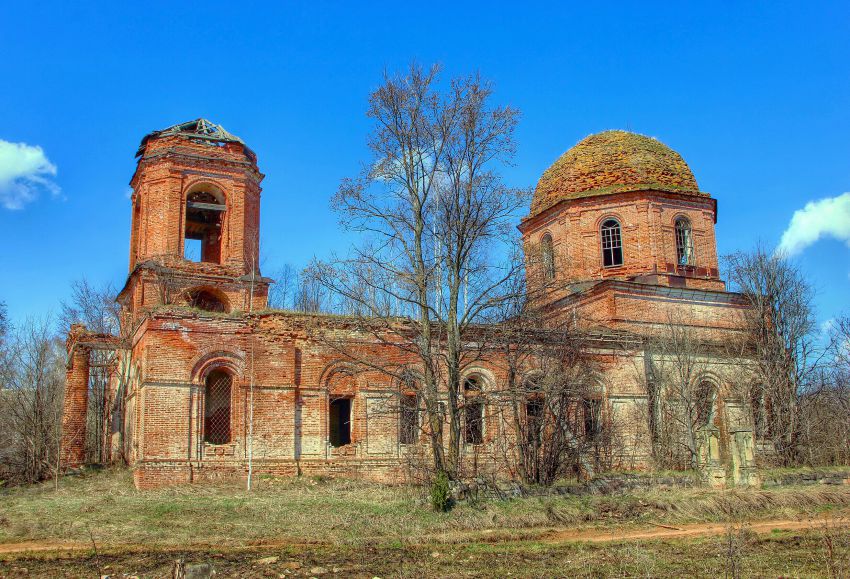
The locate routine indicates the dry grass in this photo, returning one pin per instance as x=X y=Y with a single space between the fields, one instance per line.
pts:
x=304 y=510
x=783 y=555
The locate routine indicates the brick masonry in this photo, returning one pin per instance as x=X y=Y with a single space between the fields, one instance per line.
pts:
x=284 y=361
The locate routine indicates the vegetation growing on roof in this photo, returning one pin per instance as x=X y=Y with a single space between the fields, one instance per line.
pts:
x=613 y=162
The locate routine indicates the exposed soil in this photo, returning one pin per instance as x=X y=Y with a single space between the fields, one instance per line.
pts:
x=549 y=536
x=684 y=531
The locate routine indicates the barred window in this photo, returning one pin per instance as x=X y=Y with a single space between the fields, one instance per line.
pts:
x=612 y=243
x=548 y=257
x=684 y=242
x=409 y=419
x=217 y=402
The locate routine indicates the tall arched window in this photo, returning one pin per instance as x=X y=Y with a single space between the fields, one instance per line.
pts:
x=217 y=402
x=612 y=243
x=535 y=407
x=684 y=242
x=547 y=252
x=473 y=411
x=705 y=399
x=409 y=409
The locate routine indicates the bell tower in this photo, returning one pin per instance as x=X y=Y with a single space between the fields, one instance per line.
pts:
x=195 y=222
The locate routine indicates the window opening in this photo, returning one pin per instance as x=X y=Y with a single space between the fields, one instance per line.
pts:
x=534 y=418
x=204 y=213
x=684 y=242
x=473 y=412
x=612 y=244
x=409 y=418
x=592 y=417
x=340 y=421
x=217 y=402
x=207 y=301
x=548 y=257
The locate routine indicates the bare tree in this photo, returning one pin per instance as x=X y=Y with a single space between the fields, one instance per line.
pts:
x=556 y=408
x=681 y=401
x=31 y=401
x=434 y=212
x=781 y=330
x=283 y=292
x=826 y=406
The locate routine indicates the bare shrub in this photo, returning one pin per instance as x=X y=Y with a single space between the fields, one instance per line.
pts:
x=31 y=401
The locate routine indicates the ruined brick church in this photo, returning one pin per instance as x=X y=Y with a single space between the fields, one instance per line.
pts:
x=627 y=240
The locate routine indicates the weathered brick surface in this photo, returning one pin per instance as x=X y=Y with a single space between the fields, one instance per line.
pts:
x=74 y=409
x=284 y=363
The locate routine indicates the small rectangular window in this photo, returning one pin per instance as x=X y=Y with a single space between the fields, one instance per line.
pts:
x=409 y=419
x=473 y=422
x=340 y=421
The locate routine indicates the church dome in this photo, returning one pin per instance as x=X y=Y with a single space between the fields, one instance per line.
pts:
x=613 y=162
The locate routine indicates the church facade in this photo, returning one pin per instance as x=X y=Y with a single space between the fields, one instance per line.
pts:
x=207 y=378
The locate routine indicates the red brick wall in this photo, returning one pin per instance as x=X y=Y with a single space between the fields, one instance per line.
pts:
x=74 y=409
x=169 y=169
x=648 y=236
x=284 y=362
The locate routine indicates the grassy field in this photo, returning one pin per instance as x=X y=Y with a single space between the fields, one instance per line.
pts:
x=312 y=526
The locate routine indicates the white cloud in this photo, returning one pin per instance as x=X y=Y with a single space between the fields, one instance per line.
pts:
x=25 y=171
x=828 y=217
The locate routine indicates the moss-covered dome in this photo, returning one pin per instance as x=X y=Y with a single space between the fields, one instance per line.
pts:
x=613 y=162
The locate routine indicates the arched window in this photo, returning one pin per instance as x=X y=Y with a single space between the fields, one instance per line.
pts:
x=207 y=301
x=342 y=386
x=535 y=408
x=217 y=402
x=547 y=256
x=473 y=411
x=612 y=243
x=204 y=217
x=705 y=399
x=684 y=242
x=409 y=410
x=592 y=408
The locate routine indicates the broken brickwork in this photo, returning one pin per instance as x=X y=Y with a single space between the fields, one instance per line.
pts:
x=197 y=342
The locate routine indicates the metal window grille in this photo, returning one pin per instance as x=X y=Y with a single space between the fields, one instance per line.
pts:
x=409 y=419
x=612 y=244
x=217 y=405
x=684 y=243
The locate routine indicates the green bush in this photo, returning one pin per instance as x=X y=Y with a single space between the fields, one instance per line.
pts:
x=440 y=494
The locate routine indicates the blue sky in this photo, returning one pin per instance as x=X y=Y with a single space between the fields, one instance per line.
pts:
x=755 y=96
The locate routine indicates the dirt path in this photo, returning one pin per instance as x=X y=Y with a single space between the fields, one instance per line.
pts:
x=680 y=531
x=551 y=536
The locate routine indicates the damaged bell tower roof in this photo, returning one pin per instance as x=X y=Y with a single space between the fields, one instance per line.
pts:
x=202 y=129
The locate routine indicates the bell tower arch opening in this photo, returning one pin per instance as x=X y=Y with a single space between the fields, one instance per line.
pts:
x=203 y=227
